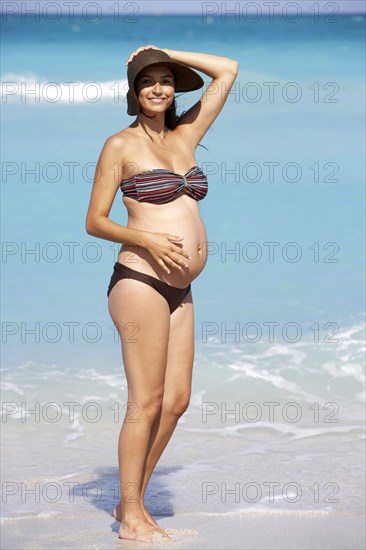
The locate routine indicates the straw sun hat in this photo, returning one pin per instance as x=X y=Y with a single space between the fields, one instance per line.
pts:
x=185 y=79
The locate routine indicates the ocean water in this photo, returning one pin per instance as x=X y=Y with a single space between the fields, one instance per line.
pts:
x=278 y=387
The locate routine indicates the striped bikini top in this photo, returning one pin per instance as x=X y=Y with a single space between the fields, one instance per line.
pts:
x=161 y=185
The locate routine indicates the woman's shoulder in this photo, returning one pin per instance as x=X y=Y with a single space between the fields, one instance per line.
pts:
x=120 y=138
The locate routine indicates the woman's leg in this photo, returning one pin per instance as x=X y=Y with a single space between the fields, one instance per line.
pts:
x=142 y=318
x=177 y=386
x=177 y=389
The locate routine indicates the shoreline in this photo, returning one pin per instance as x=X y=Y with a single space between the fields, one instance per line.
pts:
x=273 y=530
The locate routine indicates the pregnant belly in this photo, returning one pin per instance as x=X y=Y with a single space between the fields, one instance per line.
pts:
x=194 y=243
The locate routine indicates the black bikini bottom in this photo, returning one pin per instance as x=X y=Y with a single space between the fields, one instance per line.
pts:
x=173 y=295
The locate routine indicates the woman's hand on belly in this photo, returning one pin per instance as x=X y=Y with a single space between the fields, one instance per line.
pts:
x=164 y=251
x=161 y=225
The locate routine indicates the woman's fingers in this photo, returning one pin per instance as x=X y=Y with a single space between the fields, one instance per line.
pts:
x=162 y=264
x=150 y=46
x=170 y=262
x=182 y=252
x=179 y=252
x=167 y=254
x=177 y=249
x=175 y=261
x=180 y=261
x=167 y=261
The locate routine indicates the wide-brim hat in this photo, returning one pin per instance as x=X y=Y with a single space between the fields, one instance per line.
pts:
x=185 y=79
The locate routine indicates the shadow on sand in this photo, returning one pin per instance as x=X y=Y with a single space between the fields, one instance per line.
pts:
x=103 y=492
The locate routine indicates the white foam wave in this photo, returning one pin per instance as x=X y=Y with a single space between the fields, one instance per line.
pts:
x=40 y=515
x=347 y=369
x=259 y=510
x=31 y=88
x=97 y=398
x=108 y=379
x=294 y=368
x=291 y=431
x=250 y=370
x=77 y=430
x=345 y=337
x=8 y=386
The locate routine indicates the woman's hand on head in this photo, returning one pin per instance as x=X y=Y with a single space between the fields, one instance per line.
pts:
x=162 y=248
x=149 y=47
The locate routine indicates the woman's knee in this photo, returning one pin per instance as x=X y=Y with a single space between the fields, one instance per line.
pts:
x=149 y=408
x=176 y=406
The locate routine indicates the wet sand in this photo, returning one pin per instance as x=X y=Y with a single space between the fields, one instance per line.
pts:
x=247 y=531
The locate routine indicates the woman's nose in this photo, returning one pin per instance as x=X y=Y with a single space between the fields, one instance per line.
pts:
x=157 y=86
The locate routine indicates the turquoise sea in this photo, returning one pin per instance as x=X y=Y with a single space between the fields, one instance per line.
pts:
x=280 y=305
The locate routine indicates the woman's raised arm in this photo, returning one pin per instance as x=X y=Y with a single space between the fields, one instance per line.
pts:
x=223 y=71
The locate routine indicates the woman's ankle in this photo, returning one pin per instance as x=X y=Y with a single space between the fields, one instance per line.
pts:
x=134 y=515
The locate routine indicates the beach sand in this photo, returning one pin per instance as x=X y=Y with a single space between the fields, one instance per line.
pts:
x=252 y=531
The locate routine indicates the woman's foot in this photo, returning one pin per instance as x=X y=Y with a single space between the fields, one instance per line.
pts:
x=141 y=529
x=117 y=514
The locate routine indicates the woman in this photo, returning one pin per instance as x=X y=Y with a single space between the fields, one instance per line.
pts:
x=150 y=296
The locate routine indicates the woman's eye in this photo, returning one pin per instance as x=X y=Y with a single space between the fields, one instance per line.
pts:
x=146 y=80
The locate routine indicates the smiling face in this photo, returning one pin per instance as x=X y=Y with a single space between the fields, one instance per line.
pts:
x=155 y=88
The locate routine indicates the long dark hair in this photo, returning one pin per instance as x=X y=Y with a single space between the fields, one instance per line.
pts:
x=172 y=119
